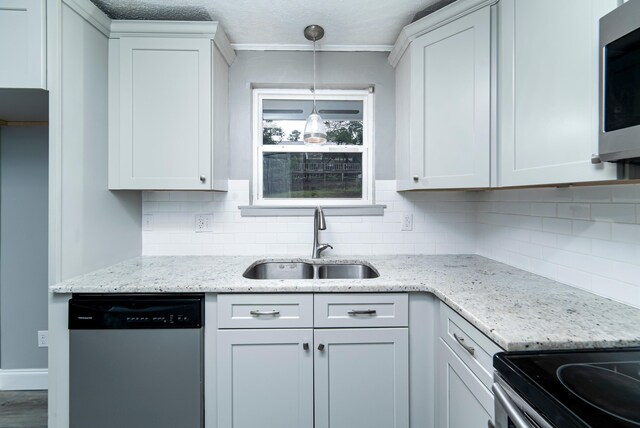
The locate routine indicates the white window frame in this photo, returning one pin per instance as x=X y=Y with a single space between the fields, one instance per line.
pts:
x=367 y=149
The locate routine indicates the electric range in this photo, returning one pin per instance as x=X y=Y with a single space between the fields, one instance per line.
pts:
x=567 y=389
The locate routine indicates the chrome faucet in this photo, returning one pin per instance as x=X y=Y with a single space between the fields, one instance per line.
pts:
x=318 y=224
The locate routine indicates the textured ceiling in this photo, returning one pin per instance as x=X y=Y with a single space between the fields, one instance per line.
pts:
x=346 y=22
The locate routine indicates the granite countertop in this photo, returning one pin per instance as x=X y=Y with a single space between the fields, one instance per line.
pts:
x=516 y=309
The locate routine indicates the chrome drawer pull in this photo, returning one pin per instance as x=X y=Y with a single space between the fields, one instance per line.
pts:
x=362 y=312
x=467 y=348
x=264 y=313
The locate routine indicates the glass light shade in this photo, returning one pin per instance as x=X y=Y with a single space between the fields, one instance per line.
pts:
x=314 y=130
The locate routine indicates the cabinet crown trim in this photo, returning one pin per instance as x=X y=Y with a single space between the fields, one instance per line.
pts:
x=187 y=29
x=437 y=19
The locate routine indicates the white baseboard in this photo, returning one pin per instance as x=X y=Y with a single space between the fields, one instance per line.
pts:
x=23 y=379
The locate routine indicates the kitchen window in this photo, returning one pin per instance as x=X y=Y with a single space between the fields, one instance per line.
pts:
x=286 y=172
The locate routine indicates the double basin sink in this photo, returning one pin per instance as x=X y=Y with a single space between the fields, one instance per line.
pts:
x=303 y=270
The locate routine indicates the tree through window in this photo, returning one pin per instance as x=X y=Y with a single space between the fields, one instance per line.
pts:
x=288 y=172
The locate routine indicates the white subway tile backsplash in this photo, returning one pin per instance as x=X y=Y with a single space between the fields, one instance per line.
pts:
x=592 y=194
x=591 y=229
x=587 y=237
x=628 y=193
x=626 y=232
x=574 y=244
x=621 y=213
x=574 y=211
x=557 y=225
x=544 y=209
x=616 y=290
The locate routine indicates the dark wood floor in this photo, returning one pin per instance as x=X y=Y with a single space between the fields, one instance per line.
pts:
x=23 y=409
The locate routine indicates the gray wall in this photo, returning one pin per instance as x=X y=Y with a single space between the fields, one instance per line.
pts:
x=99 y=227
x=295 y=69
x=23 y=246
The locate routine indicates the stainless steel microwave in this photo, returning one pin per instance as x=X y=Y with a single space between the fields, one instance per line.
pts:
x=619 y=137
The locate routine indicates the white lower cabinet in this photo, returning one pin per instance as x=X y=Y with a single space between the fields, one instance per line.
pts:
x=463 y=373
x=362 y=378
x=462 y=401
x=280 y=377
x=265 y=378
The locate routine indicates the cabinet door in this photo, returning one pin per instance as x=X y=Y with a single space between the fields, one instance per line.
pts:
x=22 y=44
x=462 y=401
x=362 y=378
x=548 y=85
x=451 y=104
x=265 y=378
x=165 y=113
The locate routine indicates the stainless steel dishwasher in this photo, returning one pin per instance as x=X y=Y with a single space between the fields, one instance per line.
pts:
x=136 y=361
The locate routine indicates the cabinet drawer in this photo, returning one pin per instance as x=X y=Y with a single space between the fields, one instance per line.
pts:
x=474 y=348
x=361 y=310
x=265 y=310
x=462 y=400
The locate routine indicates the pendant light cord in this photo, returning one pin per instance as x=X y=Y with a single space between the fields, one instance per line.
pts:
x=314 y=75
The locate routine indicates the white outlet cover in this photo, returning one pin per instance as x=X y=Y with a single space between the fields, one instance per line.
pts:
x=43 y=338
x=203 y=223
x=407 y=222
x=147 y=222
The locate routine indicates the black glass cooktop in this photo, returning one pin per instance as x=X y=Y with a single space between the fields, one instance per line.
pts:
x=599 y=388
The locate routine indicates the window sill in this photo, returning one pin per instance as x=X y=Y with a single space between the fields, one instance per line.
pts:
x=301 y=211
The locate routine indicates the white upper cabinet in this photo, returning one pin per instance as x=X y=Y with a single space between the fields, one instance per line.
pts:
x=23 y=44
x=450 y=104
x=443 y=91
x=548 y=85
x=168 y=117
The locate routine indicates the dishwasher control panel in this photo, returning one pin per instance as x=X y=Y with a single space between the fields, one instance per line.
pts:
x=135 y=311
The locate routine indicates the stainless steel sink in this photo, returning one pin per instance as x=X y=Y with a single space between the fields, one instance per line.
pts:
x=346 y=271
x=302 y=270
x=280 y=270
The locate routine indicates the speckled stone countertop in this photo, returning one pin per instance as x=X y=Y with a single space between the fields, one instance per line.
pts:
x=516 y=309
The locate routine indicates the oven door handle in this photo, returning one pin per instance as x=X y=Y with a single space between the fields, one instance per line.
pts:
x=509 y=406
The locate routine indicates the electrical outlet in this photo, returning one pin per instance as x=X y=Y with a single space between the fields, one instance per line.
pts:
x=147 y=222
x=407 y=222
x=43 y=339
x=204 y=223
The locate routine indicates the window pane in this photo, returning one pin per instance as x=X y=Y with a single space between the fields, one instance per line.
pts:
x=284 y=120
x=312 y=175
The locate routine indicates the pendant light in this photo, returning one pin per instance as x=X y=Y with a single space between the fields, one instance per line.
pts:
x=315 y=133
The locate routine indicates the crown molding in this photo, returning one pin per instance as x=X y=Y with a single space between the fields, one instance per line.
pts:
x=148 y=28
x=92 y=14
x=115 y=28
x=188 y=29
x=222 y=43
x=429 y=23
x=309 y=47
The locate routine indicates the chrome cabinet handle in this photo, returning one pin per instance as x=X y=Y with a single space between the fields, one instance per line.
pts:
x=203 y=178
x=510 y=408
x=467 y=348
x=264 y=313
x=362 y=312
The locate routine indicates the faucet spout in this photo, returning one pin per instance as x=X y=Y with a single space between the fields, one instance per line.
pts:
x=319 y=223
